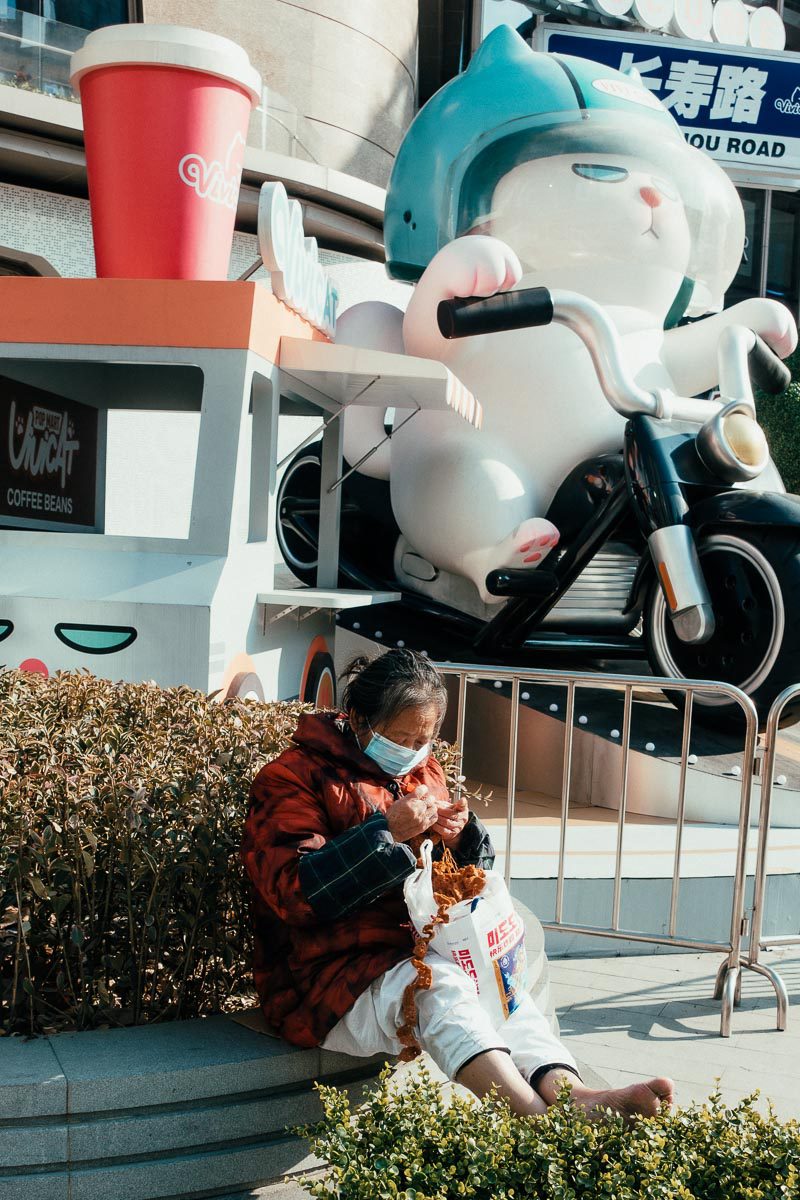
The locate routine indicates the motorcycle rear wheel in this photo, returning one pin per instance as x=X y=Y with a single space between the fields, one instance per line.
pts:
x=753 y=577
x=368 y=531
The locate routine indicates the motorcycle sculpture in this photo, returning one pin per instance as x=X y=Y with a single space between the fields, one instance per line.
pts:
x=604 y=497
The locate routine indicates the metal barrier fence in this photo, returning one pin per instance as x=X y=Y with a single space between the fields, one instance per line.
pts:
x=758 y=941
x=728 y=983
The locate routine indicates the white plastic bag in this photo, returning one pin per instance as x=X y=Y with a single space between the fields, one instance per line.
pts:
x=485 y=936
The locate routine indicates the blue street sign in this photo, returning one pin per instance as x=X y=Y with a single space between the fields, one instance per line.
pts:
x=740 y=106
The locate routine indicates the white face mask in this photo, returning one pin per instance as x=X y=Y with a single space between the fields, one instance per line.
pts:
x=391 y=758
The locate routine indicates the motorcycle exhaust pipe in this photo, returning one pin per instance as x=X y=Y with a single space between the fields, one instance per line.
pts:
x=680 y=575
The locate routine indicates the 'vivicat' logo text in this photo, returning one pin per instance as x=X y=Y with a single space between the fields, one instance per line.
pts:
x=790 y=106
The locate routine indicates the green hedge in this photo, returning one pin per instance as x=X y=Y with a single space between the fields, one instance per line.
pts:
x=405 y=1143
x=780 y=418
x=122 y=899
x=121 y=895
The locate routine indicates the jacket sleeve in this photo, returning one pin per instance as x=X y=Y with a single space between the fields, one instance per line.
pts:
x=475 y=847
x=302 y=873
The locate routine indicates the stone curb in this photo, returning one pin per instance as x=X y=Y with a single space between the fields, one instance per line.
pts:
x=178 y=1110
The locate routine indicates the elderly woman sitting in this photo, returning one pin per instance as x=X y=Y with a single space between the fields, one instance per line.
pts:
x=326 y=847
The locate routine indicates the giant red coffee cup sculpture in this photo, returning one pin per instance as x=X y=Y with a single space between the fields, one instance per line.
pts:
x=165 y=114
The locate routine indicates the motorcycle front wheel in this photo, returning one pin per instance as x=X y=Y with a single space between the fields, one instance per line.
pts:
x=753 y=578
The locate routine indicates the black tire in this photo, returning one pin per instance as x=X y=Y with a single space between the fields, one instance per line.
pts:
x=320 y=683
x=753 y=576
x=298 y=513
x=368 y=528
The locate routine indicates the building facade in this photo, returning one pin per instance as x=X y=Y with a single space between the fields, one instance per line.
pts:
x=339 y=89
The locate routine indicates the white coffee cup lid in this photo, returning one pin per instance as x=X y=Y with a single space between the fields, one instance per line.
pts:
x=167 y=46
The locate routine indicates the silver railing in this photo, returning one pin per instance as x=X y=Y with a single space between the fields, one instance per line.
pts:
x=728 y=981
x=758 y=940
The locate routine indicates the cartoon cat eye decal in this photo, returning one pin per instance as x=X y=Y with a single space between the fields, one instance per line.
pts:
x=600 y=174
x=6 y=628
x=96 y=639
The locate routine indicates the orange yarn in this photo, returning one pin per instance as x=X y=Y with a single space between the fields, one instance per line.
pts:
x=451 y=884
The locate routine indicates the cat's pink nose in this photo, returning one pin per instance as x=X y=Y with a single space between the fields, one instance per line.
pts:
x=650 y=196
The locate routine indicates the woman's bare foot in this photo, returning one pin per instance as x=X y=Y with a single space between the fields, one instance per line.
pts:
x=643 y=1099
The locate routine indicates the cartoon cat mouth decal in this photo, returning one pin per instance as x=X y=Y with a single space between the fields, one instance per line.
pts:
x=95 y=639
x=651 y=228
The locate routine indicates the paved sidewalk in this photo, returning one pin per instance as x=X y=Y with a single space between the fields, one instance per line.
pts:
x=640 y=1016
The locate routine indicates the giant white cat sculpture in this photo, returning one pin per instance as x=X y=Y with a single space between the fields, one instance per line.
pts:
x=531 y=170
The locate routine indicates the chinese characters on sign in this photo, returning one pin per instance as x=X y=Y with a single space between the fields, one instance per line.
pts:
x=741 y=109
x=729 y=92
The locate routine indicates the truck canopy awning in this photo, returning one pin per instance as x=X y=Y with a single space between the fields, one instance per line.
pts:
x=349 y=375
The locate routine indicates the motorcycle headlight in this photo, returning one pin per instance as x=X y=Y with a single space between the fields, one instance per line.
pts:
x=732 y=444
x=746 y=438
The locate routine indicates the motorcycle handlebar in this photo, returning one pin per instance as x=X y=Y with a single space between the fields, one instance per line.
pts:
x=527 y=307
x=767 y=371
x=741 y=358
x=524 y=309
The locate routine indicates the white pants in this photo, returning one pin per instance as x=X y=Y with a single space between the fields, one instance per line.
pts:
x=451 y=1025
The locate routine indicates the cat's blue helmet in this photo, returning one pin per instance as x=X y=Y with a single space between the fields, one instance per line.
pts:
x=511 y=105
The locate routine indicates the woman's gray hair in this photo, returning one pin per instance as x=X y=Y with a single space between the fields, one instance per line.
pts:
x=379 y=689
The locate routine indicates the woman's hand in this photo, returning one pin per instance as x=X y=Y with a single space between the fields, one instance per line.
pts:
x=412 y=815
x=450 y=823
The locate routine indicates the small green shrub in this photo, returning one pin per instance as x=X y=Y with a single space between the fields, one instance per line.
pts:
x=780 y=419
x=122 y=899
x=409 y=1144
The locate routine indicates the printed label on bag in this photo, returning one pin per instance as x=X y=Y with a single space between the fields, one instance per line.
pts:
x=465 y=961
x=511 y=971
x=505 y=935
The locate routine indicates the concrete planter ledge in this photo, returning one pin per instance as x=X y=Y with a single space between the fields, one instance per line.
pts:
x=162 y=1110
x=185 y=1109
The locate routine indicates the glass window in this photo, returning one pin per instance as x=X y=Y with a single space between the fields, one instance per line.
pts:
x=85 y=14
x=748 y=278
x=791 y=20
x=783 y=276
x=37 y=38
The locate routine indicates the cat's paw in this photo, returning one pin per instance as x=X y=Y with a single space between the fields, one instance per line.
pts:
x=469 y=266
x=472 y=266
x=781 y=336
x=771 y=320
x=530 y=543
x=524 y=549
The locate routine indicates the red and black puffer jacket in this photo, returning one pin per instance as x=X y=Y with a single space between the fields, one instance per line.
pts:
x=329 y=910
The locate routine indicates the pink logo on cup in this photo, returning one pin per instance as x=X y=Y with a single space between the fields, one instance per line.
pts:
x=213 y=181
